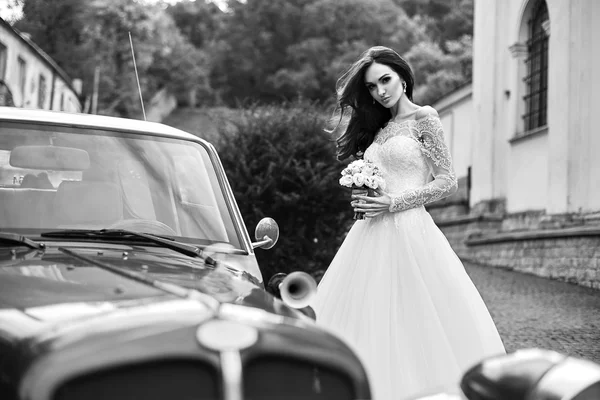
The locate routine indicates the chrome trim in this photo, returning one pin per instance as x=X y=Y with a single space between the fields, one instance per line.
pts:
x=231 y=373
x=261 y=243
x=79 y=120
x=252 y=315
x=223 y=335
x=230 y=199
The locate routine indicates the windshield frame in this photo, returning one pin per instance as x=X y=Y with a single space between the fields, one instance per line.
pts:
x=140 y=128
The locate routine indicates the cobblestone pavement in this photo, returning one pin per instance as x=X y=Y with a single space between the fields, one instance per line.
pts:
x=530 y=311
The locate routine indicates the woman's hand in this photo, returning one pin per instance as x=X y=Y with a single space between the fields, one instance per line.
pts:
x=372 y=206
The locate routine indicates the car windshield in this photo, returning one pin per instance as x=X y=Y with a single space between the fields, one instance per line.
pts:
x=54 y=177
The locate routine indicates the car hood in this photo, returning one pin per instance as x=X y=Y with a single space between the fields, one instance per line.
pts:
x=52 y=303
x=52 y=286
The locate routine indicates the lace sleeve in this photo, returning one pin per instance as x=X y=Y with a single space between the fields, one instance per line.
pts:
x=430 y=135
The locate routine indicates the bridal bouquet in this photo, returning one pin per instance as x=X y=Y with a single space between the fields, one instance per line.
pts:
x=362 y=176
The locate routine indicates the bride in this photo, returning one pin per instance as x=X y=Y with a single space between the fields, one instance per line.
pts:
x=396 y=291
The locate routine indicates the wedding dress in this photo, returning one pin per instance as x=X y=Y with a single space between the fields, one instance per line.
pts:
x=396 y=292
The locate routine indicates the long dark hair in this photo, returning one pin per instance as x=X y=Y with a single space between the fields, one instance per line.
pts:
x=366 y=117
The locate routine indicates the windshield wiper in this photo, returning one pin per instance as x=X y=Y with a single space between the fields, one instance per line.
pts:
x=183 y=248
x=15 y=238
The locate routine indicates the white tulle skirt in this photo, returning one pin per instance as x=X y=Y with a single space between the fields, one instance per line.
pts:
x=400 y=297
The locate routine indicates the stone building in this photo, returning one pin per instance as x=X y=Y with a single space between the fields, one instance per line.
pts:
x=29 y=78
x=523 y=139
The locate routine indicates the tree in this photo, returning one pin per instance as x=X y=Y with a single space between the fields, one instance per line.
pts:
x=447 y=20
x=274 y=51
x=109 y=23
x=176 y=63
x=84 y=35
x=257 y=50
x=198 y=21
x=438 y=72
x=57 y=26
x=253 y=42
x=281 y=164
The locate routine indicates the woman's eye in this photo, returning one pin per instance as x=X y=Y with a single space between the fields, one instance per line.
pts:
x=386 y=79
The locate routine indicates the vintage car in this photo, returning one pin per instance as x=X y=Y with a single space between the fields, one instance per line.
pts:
x=126 y=272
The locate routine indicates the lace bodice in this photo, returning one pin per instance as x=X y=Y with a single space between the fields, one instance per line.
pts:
x=409 y=154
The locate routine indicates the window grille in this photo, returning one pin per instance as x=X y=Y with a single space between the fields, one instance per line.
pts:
x=536 y=97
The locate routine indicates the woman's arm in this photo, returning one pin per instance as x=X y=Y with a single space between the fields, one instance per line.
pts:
x=430 y=135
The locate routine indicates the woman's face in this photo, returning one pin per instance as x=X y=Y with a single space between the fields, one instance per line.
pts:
x=384 y=84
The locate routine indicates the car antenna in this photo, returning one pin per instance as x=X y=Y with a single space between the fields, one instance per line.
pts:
x=137 y=77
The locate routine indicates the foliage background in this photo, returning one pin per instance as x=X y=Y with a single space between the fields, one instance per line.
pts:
x=280 y=164
x=257 y=78
x=253 y=50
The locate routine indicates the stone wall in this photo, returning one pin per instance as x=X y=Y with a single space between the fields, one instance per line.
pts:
x=457 y=230
x=564 y=247
x=453 y=206
x=571 y=255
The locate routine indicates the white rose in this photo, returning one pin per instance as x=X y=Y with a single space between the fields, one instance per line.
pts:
x=380 y=181
x=346 y=171
x=356 y=166
x=359 y=179
x=368 y=169
x=371 y=182
x=346 y=180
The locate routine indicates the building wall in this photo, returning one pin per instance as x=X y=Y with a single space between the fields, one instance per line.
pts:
x=527 y=175
x=565 y=159
x=584 y=102
x=456 y=111
x=65 y=99
x=37 y=69
x=485 y=84
x=534 y=205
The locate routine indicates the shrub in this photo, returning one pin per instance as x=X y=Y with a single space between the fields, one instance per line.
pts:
x=281 y=163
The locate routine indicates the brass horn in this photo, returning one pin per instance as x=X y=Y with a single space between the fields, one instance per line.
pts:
x=297 y=289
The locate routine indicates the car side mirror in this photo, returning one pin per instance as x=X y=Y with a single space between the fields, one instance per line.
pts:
x=266 y=234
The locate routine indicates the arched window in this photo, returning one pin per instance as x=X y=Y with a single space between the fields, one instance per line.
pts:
x=536 y=80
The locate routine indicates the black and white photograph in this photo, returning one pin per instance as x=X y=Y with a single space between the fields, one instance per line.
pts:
x=299 y=200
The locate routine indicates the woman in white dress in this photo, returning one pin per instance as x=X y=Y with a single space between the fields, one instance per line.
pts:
x=396 y=291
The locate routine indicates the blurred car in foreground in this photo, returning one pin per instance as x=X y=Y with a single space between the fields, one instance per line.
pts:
x=126 y=272
x=528 y=374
